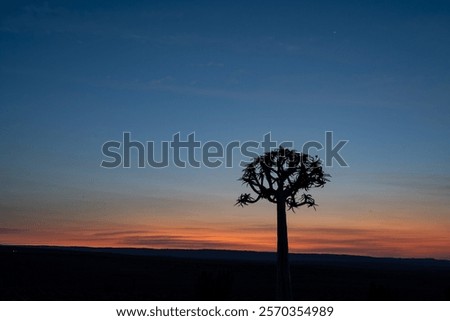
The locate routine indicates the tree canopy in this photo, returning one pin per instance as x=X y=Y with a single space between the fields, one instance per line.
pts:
x=280 y=175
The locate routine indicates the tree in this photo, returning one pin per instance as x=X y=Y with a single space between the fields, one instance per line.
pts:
x=278 y=176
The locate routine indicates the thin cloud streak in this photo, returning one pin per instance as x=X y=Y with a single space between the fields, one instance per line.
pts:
x=5 y=230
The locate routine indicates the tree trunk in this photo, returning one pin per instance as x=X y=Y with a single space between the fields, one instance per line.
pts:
x=284 y=290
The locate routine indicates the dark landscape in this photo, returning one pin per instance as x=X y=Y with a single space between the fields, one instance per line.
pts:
x=60 y=273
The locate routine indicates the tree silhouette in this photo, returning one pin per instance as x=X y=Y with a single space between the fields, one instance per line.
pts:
x=278 y=176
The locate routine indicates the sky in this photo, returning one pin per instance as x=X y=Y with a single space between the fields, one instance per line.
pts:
x=76 y=74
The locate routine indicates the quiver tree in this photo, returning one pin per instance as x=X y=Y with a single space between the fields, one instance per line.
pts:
x=279 y=176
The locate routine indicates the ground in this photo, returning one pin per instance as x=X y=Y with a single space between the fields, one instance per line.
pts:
x=35 y=273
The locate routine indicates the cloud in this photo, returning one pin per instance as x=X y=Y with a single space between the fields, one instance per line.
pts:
x=389 y=241
x=175 y=241
x=117 y=233
x=5 y=230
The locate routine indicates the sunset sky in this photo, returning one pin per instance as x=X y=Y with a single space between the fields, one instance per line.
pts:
x=76 y=74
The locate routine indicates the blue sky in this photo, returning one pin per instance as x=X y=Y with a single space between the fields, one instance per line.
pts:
x=75 y=74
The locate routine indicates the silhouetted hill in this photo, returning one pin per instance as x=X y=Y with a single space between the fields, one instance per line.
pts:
x=79 y=273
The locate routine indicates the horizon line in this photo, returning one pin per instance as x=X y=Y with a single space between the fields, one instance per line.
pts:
x=216 y=250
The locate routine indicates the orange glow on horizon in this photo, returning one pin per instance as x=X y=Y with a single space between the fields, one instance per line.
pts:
x=411 y=241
